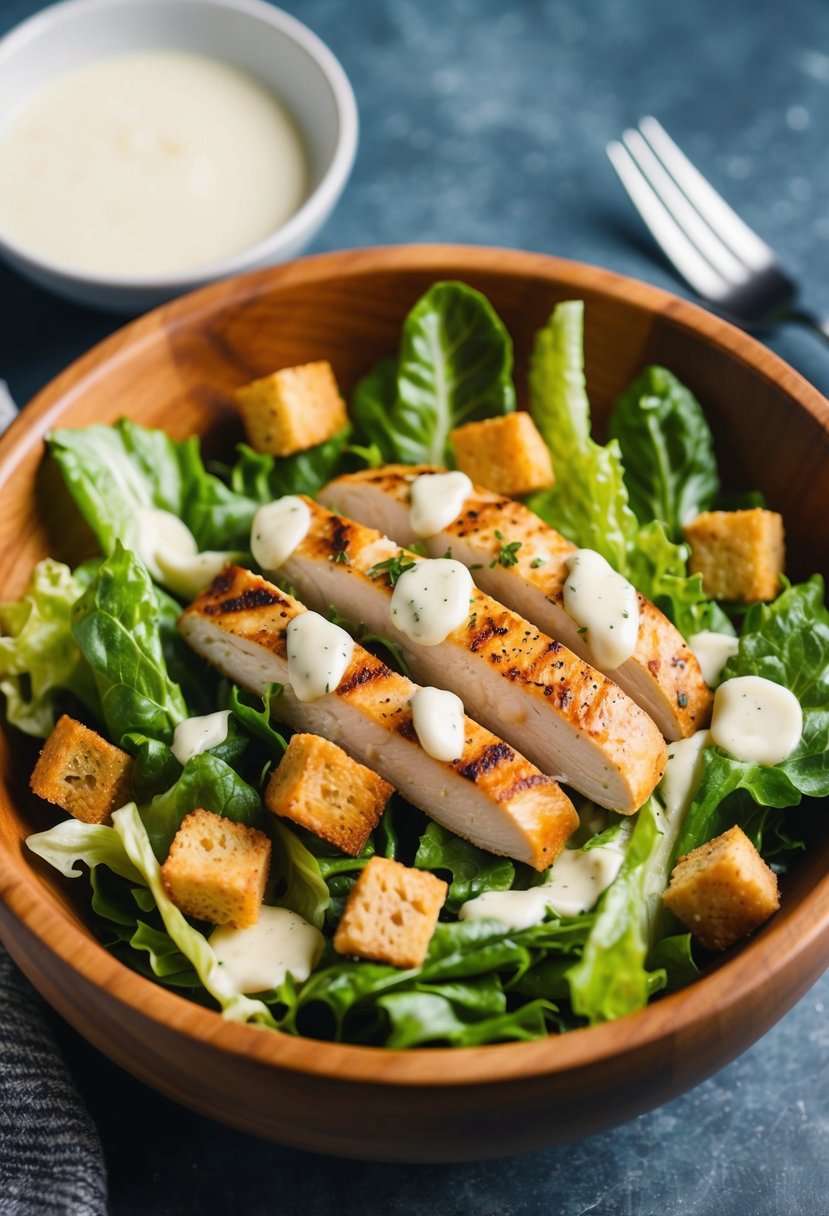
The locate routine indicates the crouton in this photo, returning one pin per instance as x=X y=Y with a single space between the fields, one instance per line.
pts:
x=216 y=869
x=321 y=788
x=292 y=409
x=505 y=454
x=391 y=914
x=723 y=890
x=82 y=773
x=740 y=554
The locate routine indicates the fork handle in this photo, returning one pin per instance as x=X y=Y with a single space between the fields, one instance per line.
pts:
x=810 y=320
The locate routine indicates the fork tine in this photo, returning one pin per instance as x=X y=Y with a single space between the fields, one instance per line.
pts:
x=666 y=232
x=689 y=220
x=743 y=241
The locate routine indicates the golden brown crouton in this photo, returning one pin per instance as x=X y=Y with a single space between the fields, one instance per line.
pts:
x=505 y=454
x=292 y=409
x=82 y=773
x=722 y=890
x=740 y=554
x=217 y=869
x=320 y=787
x=391 y=914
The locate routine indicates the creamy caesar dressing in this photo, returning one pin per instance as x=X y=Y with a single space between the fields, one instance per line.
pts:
x=196 y=735
x=572 y=885
x=438 y=719
x=318 y=654
x=437 y=500
x=168 y=549
x=277 y=529
x=683 y=772
x=756 y=720
x=431 y=599
x=604 y=605
x=260 y=957
x=712 y=651
x=188 y=161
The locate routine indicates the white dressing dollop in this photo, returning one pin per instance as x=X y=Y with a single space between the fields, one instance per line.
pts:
x=258 y=958
x=756 y=720
x=196 y=735
x=277 y=529
x=604 y=604
x=438 y=719
x=431 y=599
x=437 y=500
x=683 y=772
x=187 y=576
x=168 y=549
x=712 y=651
x=318 y=654
x=572 y=885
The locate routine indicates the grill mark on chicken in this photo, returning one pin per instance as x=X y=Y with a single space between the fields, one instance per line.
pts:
x=489 y=759
x=363 y=675
x=254 y=597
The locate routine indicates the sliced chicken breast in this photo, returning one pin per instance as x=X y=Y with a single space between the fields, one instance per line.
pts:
x=662 y=675
x=563 y=714
x=491 y=796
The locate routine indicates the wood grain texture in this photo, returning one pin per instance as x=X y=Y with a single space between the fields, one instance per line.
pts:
x=177 y=368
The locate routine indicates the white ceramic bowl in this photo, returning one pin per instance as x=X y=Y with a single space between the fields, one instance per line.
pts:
x=250 y=34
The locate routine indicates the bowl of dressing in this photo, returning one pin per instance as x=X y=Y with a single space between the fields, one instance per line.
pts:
x=148 y=147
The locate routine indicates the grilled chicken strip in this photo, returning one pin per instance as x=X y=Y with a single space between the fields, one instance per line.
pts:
x=491 y=796
x=564 y=715
x=662 y=675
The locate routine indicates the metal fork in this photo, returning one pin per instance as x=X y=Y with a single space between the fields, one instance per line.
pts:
x=718 y=255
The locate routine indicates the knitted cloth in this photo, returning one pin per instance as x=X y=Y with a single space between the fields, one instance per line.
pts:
x=51 y=1162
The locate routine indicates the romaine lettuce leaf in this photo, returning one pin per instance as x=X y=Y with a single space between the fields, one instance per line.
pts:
x=667 y=449
x=612 y=977
x=113 y=472
x=786 y=641
x=208 y=783
x=116 y=626
x=192 y=944
x=472 y=871
x=455 y=365
x=261 y=477
x=589 y=501
x=39 y=657
x=296 y=877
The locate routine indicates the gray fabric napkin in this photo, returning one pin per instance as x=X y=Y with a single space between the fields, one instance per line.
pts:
x=51 y=1161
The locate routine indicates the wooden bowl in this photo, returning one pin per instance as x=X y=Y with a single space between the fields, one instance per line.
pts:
x=176 y=368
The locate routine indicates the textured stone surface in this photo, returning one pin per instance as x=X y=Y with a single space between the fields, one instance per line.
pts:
x=487 y=123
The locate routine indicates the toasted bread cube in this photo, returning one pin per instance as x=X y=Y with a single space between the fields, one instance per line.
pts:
x=740 y=554
x=723 y=890
x=82 y=773
x=505 y=454
x=391 y=914
x=216 y=869
x=320 y=787
x=292 y=409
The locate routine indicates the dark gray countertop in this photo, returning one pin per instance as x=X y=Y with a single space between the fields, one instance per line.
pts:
x=486 y=123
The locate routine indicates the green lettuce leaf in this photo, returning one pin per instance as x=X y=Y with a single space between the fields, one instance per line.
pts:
x=455 y=365
x=786 y=641
x=589 y=503
x=261 y=477
x=113 y=472
x=296 y=877
x=471 y=870
x=208 y=783
x=39 y=657
x=192 y=944
x=612 y=977
x=667 y=449
x=116 y=626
